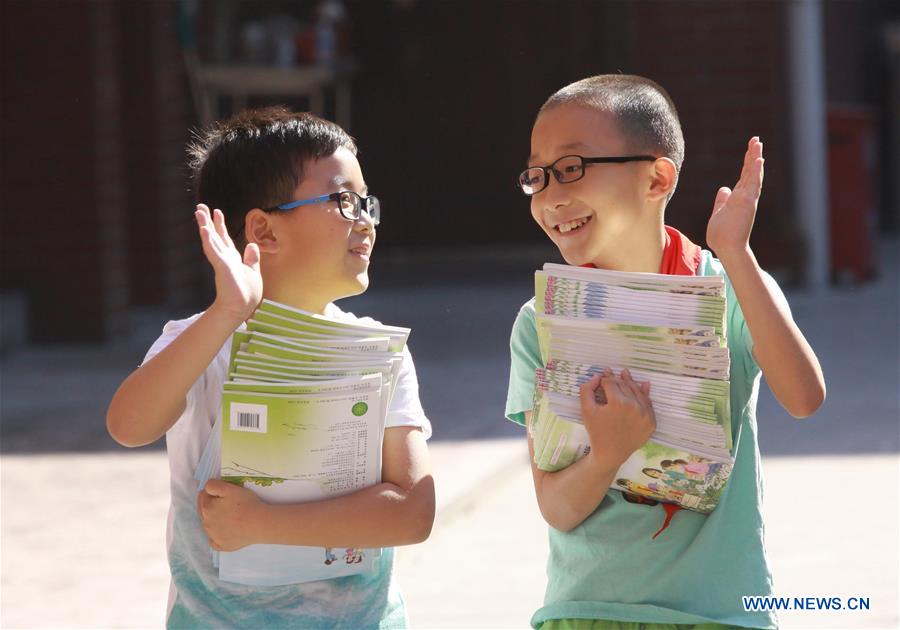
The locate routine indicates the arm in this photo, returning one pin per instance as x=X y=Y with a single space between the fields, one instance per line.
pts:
x=615 y=430
x=784 y=356
x=397 y=511
x=152 y=398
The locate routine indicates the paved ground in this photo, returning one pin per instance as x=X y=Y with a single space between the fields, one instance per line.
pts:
x=83 y=540
x=83 y=520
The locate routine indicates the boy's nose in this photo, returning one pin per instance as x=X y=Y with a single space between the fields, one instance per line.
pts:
x=364 y=223
x=554 y=197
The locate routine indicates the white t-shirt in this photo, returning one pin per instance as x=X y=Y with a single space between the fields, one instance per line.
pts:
x=197 y=598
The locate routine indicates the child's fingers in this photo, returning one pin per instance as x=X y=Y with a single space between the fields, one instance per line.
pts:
x=251 y=256
x=208 y=249
x=751 y=172
x=221 y=230
x=613 y=387
x=750 y=188
x=754 y=150
x=631 y=384
x=205 y=221
x=201 y=504
x=722 y=197
x=218 y=488
x=586 y=392
x=642 y=387
x=745 y=163
x=635 y=389
x=201 y=216
x=211 y=244
x=755 y=180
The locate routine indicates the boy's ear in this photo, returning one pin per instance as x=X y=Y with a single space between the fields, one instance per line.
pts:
x=258 y=229
x=662 y=179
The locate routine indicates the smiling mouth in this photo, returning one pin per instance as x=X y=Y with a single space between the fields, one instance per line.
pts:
x=571 y=226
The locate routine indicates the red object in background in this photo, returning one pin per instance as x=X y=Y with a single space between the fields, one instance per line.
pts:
x=306 y=46
x=852 y=173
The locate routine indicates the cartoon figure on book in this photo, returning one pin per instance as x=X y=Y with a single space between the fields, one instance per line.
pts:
x=291 y=230
x=676 y=421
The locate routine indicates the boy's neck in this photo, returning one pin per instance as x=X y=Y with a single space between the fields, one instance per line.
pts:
x=639 y=253
x=296 y=297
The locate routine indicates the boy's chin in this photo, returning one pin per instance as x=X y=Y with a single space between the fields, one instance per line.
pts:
x=575 y=259
x=358 y=285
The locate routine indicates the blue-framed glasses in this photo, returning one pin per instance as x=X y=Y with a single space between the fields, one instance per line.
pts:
x=350 y=204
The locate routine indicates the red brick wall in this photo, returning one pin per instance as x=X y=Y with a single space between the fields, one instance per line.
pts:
x=163 y=253
x=725 y=66
x=64 y=241
x=97 y=216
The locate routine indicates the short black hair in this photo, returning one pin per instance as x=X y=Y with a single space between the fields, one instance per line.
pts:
x=256 y=159
x=645 y=112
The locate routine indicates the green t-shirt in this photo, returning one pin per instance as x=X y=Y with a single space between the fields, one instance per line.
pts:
x=698 y=568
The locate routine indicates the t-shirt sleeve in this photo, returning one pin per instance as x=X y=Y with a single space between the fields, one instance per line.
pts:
x=405 y=409
x=525 y=357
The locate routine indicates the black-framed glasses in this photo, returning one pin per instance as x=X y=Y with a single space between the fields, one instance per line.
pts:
x=568 y=169
x=350 y=205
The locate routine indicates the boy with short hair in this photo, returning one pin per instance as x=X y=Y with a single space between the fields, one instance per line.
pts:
x=605 y=156
x=290 y=187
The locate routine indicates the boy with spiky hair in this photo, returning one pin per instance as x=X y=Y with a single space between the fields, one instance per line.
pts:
x=290 y=187
x=605 y=157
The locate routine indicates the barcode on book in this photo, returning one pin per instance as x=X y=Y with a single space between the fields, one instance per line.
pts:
x=247 y=417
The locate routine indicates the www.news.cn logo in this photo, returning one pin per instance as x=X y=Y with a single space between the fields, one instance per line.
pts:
x=758 y=603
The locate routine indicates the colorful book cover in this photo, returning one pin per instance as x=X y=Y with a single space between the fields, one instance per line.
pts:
x=668 y=331
x=656 y=471
x=297 y=447
x=303 y=416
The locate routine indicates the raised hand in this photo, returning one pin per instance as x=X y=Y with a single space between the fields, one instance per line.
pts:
x=622 y=425
x=729 y=227
x=238 y=279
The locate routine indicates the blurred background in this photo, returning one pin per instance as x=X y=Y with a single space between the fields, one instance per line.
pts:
x=100 y=98
x=98 y=248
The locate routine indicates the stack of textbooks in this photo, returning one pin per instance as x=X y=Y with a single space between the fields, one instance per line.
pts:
x=303 y=415
x=668 y=330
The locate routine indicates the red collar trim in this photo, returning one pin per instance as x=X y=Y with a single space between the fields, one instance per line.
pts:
x=680 y=256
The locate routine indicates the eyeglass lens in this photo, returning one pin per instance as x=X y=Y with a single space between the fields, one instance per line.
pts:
x=352 y=203
x=566 y=169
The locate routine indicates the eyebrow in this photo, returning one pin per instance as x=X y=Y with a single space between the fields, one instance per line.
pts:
x=342 y=182
x=565 y=147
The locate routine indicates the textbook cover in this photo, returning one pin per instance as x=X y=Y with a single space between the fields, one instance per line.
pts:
x=657 y=471
x=668 y=331
x=302 y=419
x=298 y=447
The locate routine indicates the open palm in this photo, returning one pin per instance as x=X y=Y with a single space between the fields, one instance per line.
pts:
x=238 y=279
x=733 y=212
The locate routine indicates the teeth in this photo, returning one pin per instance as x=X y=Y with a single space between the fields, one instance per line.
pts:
x=571 y=225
